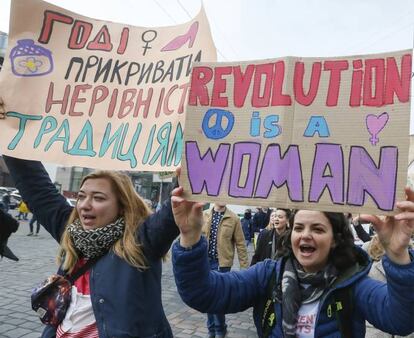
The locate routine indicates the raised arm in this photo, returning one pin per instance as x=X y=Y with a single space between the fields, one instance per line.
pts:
x=199 y=287
x=360 y=231
x=209 y=291
x=392 y=303
x=158 y=231
x=389 y=306
x=35 y=187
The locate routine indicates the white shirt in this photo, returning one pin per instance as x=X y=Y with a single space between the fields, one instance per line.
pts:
x=79 y=321
x=305 y=327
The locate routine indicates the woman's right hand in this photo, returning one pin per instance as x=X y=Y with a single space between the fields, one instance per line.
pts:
x=188 y=217
x=394 y=232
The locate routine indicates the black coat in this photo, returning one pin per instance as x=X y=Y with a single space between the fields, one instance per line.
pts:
x=259 y=219
x=8 y=225
x=264 y=245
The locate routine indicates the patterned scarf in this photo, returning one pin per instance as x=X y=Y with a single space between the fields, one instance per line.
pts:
x=300 y=287
x=93 y=243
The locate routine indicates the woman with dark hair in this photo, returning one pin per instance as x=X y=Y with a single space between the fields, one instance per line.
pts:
x=267 y=241
x=342 y=255
x=318 y=287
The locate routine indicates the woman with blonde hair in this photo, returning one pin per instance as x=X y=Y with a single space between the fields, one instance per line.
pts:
x=134 y=212
x=120 y=294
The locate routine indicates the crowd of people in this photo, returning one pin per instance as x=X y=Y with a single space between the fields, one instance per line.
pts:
x=307 y=278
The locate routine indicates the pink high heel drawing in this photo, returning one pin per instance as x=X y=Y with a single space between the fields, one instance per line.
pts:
x=181 y=40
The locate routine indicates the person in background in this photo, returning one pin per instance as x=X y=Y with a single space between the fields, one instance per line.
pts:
x=267 y=240
x=223 y=231
x=318 y=287
x=359 y=229
x=31 y=223
x=376 y=252
x=246 y=223
x=259 y=219
x=23 y=210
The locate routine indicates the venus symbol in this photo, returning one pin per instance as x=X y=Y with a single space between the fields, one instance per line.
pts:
x=375 y=124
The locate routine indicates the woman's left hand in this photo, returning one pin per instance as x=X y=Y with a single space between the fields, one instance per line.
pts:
x=395 y=232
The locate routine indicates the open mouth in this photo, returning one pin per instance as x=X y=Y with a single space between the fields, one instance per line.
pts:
x=306 y=249
x=88 y=218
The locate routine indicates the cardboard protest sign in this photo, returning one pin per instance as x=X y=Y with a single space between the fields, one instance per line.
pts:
x=318 y=133
x=98 y=94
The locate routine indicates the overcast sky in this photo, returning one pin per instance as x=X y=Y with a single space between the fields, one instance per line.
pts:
x=245 y=29
x=248 y=30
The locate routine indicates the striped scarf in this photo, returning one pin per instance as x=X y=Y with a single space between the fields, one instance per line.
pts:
x=300 y=287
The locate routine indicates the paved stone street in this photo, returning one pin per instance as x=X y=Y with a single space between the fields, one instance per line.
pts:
x=37 y=261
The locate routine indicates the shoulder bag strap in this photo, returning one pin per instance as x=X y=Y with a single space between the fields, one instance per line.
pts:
x=72 y=278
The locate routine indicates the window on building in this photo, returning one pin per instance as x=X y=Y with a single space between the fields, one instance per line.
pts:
x=77 y=175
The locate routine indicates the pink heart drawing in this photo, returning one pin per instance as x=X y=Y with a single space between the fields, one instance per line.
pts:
x=375 y=124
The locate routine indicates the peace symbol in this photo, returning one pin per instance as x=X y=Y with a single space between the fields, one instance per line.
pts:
x=216 y=131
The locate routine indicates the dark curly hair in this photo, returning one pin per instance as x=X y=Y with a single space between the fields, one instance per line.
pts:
x=342 y=256
x=288 y=212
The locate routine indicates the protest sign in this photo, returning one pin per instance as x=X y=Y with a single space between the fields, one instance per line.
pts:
x=318 y=133
x=98 y=94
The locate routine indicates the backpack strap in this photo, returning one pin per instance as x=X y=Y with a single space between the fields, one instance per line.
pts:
x=343 y=308
x=273 y=295
x=268 y=320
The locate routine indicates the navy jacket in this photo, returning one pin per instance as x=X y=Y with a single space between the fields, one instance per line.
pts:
x=388 y=307
x=247 y=228
x=126 y=302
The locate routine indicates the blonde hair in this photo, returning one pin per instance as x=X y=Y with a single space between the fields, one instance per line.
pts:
x=134 y=211
x=269 y=226
x=375 y=249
